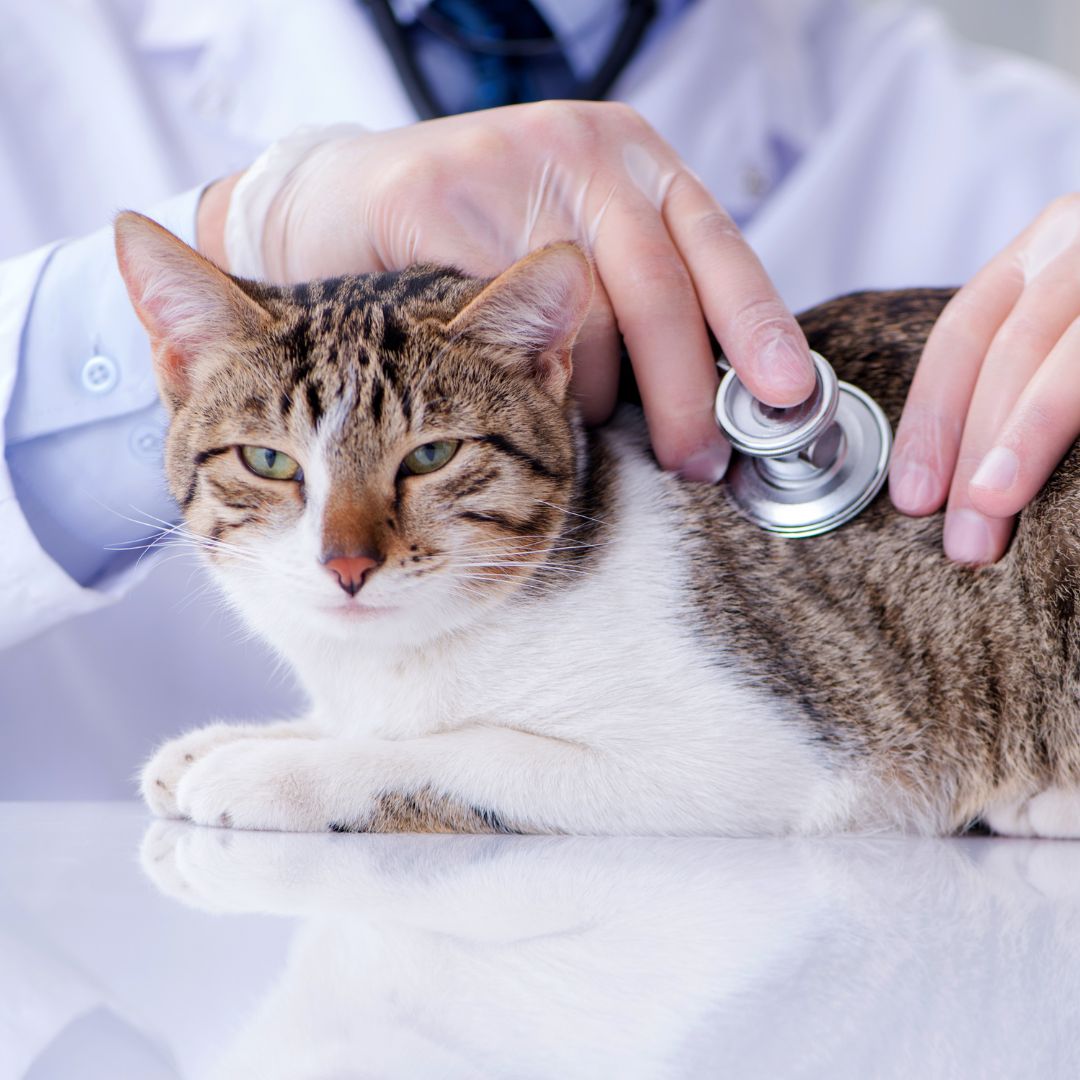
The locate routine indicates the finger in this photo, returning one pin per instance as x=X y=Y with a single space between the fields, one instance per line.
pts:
x=658 y=315
x=760 y=337
x=928 y=436
x=596 y=361
x=1020 y=347
x=1042 y=426
x=970 y=536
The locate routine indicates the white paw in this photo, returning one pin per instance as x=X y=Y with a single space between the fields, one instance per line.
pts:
x=1053 y=814
x=259 y=784
x=161 y=775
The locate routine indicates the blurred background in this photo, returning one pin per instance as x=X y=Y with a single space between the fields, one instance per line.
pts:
x=1048 y=29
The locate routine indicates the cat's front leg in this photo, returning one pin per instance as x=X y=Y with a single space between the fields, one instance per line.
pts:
x=477 y=779
x=160 y=776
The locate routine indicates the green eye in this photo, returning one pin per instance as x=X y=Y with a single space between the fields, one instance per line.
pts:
x=272 y=464
x=430 y=456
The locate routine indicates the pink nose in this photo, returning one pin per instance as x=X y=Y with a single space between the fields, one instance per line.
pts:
x=351 y=570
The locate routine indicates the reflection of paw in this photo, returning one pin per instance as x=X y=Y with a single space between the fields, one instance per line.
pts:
x=173 y=855
x=161 y=775
x=1053 y=814
x=259 y=784
x=159 y=857
x=294 y=874
x=1042 y=867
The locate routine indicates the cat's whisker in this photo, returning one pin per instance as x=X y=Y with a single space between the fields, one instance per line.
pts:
x=539 y=549
x=170 y=531
x=172 y=558
x=157 y=543
x=540 y=552
x=539 y=566
x=154 y=519
x=147 y=521
x=165 y=530
x=216 y=544
x=142 y=541
x=203 y=544
x=172 y=538
x=132 y=545
x=482 y=589
x=571 y=513
x=525 y=538
x=492 y=574
x=489 y=577
x=558 y=543
x=191 y=595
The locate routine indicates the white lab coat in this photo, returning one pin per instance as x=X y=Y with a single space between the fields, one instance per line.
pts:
x=917 y=159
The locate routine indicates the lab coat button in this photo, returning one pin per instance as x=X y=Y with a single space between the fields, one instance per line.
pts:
x=100 y=374
x=146 y=444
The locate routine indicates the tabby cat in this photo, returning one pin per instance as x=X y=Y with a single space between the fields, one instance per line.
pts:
x=508 y=623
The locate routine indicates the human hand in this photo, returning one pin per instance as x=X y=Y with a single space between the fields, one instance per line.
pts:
x=995 y=403
x=480 y=190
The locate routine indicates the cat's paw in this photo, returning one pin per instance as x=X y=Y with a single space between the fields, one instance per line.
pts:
x=1053 y=814
x=280 y=785
x=160 y=777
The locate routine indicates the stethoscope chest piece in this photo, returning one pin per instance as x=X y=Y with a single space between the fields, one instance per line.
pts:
x=806 y=470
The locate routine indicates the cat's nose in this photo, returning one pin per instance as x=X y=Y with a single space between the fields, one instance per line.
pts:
x=351 y=570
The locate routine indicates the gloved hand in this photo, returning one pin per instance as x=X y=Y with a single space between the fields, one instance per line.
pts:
x=482 y=189
x=995 y=403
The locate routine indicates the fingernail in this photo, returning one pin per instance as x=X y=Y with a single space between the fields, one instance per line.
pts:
x=967 y=537
x=998 y=470
x=787 y=371
x=912 y=486
x=707 y=465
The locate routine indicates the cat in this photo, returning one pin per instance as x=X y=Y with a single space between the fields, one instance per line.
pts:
x=508 y=623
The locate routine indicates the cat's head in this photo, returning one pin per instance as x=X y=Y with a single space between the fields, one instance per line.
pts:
x=385 y=455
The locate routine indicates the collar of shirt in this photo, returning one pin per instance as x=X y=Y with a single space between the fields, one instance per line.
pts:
x=583 y=28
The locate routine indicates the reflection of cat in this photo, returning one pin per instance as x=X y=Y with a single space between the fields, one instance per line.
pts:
x=593 y=957
x=505 y=623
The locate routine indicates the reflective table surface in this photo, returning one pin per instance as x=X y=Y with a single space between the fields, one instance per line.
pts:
x=139 y=949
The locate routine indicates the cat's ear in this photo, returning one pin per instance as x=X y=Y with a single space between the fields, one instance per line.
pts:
x=194 y=313
x=536 y=310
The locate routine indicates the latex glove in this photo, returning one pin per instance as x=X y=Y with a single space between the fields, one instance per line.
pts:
x=995 y=403
x=480 y=190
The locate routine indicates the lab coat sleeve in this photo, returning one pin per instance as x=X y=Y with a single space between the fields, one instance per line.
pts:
x=82 y=430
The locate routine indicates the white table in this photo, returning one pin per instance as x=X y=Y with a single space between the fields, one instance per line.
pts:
x=184 y=952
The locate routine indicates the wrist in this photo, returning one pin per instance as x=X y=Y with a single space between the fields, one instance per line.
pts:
x=210 y=220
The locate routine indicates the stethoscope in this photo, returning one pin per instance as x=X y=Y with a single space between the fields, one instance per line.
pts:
x=806 y=470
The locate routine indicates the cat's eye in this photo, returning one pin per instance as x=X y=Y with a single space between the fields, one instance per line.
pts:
x=430 y=456
x=272 y=464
